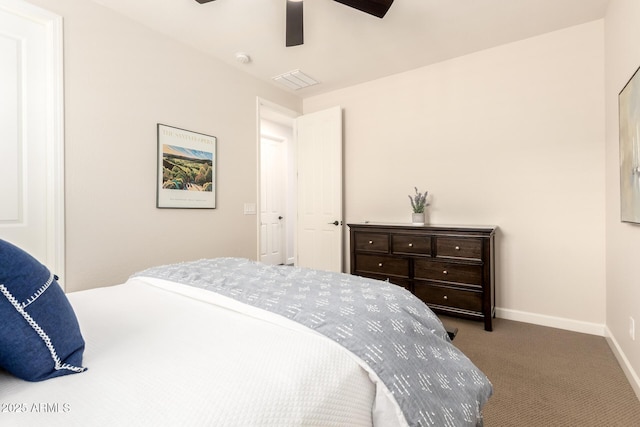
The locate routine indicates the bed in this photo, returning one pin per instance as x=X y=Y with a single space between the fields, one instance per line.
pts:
x=232 y=342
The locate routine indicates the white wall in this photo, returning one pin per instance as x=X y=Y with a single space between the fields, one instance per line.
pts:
x=121 y=79
x=511 y=136
x=622 y=33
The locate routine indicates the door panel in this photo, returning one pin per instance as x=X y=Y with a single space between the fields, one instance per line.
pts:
x=31 y=132
x=319 y=168
x=272 y=200
x=12 y=170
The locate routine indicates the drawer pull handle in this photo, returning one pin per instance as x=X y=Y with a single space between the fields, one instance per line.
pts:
x=446 y=297
x=371 y=242
x=445 y=272
x=410 y=245
x=379 y=264
x=457 y=248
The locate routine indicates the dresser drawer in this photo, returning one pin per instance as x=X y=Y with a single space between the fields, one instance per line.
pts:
x=411 y=244
x=400 y=281
x=372 y=242
x=382 y=265
x=456 y=247
x=448 y=272
x=449 y=297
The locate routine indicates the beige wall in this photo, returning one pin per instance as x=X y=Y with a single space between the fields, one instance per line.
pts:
x=622 y=33
x=121 y=79
x=511 y=136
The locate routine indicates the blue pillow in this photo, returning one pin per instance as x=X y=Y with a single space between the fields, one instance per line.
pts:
x=39 y=334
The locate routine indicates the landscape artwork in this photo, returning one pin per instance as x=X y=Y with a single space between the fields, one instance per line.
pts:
x=186 y=169
x=629 y=110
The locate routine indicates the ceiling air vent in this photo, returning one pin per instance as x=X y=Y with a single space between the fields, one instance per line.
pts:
x=295 y=80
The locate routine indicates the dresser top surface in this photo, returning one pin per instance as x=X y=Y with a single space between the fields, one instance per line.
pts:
x=427 y=227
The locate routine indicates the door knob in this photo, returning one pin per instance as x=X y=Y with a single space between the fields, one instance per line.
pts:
x=334 y=223
x=280 y=217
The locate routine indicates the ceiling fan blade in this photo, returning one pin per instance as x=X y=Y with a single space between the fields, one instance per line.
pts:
x=373 y=7
x=295 y=30
x=204 y=1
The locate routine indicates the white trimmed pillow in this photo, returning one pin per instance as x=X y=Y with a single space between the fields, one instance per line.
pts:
x=39 y=334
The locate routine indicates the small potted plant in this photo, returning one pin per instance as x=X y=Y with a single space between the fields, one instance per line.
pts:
x=418 y=204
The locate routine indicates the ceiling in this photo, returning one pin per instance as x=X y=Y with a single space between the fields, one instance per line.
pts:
x=343 y=46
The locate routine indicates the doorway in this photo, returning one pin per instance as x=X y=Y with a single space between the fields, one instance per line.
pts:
x=312 y=226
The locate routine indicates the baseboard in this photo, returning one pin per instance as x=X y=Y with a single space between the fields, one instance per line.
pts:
x=551 y=321
x=628 y=370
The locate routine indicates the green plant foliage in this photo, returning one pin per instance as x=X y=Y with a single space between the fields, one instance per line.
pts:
x=419 y=201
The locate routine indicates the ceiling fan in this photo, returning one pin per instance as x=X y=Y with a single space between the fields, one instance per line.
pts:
x=295 y=31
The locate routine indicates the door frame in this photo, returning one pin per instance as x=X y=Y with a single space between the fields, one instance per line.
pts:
x=264 y=109
x=54 y=119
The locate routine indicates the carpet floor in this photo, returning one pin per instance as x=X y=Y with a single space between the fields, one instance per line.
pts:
x=547 y=377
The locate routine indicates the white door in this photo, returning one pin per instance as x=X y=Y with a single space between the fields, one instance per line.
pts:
x=319 y=167
x=272 y=200
x=31 y=176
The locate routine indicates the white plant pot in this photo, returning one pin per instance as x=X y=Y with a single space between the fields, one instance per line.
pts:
x=418 y=218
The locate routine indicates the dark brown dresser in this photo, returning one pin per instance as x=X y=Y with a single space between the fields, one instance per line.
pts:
x=451 y=268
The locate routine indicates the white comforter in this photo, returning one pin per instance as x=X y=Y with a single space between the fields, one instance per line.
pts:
x=162 y=354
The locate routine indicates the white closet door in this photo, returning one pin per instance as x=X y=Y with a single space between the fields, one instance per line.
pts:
x=31 y=143
x=272 y=200
x=319 y=166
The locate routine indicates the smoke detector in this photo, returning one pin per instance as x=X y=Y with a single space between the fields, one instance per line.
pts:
x=243 y=58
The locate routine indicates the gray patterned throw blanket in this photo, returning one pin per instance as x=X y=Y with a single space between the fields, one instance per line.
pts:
x=395 y=333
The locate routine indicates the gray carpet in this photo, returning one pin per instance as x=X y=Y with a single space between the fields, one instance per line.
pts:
x=547 y=377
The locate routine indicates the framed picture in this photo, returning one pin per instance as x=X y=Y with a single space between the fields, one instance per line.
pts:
x=186 y=169
x=629 y=122
x=629 y=110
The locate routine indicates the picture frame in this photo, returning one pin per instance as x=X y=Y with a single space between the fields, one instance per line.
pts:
x=629 y=138
x=186 y=169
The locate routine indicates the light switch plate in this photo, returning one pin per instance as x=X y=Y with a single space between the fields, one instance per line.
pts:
x=249 y=208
